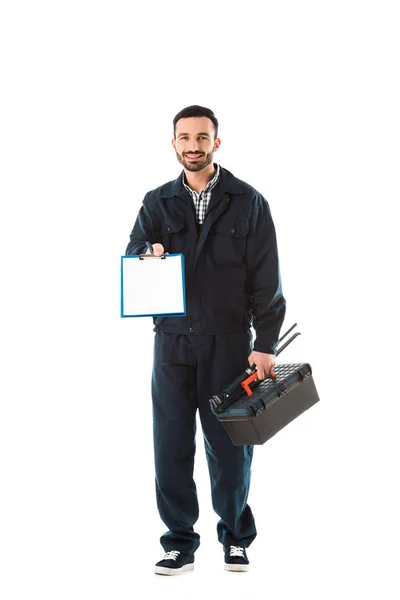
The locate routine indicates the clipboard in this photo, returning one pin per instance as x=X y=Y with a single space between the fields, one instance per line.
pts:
x=153 y=286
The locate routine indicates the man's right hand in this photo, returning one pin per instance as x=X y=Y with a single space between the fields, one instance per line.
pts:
x=158 y=249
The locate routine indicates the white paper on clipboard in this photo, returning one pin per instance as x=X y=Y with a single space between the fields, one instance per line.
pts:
x=153 y=286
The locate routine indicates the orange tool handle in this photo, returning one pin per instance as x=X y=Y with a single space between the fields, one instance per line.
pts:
x=246 y=382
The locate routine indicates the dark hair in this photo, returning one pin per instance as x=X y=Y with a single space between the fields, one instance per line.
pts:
x=196 y=111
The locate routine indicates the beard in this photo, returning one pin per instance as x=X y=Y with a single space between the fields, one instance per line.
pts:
x=203 y=161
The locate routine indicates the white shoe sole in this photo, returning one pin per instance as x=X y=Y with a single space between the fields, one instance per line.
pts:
x=229 y=567
x=167 y=571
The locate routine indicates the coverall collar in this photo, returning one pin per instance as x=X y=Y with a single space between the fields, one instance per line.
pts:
x=227 y=182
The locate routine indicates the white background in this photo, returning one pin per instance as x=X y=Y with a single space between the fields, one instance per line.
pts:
x=307 y=95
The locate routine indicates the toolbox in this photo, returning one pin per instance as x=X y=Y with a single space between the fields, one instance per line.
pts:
x=253 y=411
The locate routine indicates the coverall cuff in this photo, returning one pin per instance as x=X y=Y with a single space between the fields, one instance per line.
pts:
x=137 y=250
x=263 y=344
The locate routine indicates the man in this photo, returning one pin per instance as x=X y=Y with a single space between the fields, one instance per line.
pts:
x=224 y=229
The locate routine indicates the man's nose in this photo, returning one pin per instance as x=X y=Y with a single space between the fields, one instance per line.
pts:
x=193 y=146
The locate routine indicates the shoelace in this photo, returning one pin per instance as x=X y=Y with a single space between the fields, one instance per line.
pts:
x=172 y=555
x=236 y=551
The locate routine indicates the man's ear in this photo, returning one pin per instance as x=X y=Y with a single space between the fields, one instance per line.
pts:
x=173 y=142
x=217 y=144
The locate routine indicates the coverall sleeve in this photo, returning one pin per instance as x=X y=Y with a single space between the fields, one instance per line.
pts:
x=143 y=230
x=264 y=279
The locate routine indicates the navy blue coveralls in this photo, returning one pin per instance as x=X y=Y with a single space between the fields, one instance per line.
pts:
x=232 y=284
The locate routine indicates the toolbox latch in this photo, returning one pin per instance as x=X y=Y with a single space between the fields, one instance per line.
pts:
x=281 y=389
x=303 y=372
x=258 y=407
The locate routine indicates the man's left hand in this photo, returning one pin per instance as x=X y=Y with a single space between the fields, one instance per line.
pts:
x=264 y=362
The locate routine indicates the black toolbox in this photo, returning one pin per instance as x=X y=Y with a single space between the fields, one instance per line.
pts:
x=254 y=419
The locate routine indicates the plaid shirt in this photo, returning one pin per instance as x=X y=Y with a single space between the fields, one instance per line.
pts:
x=202 y=200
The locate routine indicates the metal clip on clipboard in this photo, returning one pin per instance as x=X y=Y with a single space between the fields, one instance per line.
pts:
x=151 y=255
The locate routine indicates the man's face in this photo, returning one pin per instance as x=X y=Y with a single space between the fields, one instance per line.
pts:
x=194 y=142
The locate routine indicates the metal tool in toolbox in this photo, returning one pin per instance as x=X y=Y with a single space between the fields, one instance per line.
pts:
x=247 y=381
x=252 y=411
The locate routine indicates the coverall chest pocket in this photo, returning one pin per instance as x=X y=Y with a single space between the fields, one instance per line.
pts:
x=171 y=233
x=229 y=241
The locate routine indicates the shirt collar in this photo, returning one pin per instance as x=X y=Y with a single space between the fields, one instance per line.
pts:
x=210 y=185
x=228 y=182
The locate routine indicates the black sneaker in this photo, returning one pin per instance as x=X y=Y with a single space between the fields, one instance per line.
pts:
x=174 y=563
x=236 y=559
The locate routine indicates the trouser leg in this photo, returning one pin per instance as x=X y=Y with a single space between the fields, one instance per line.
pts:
x=221 y=359
x=174 y=425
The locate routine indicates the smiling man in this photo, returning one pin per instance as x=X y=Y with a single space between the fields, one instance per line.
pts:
x=224 y=228
x=195 y=149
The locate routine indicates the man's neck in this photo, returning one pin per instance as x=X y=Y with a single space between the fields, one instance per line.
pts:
x=197 y=180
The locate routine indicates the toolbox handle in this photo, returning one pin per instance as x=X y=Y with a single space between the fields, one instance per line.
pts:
x=253 y=369
x=287 y=343
x=287 y=333
x=290 y=340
